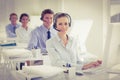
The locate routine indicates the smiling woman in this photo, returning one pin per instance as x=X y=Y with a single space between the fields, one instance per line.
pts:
x=23 y=32
x=64 y=49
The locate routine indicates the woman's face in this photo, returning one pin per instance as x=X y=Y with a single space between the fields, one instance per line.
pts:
x=62 y=24
x=25 y=20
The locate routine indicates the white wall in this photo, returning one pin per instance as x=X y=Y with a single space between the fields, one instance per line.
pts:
x=35 y=7
x=113 y=36
x=78 y=9
x=115 y=9
x=86 y=9
x=114 y=49
x=6 y=7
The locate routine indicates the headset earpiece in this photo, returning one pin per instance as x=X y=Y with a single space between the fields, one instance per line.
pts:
x=54 y=26
x=70 y=24
x=41 y=18
x=10 y=18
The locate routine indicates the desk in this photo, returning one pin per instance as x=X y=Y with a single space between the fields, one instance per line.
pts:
x=98 y=75
x=11 y=56
x=43 y=72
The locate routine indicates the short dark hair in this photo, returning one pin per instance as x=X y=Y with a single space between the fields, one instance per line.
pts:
x=46 y=11
x=23 y=14
x=12 y=14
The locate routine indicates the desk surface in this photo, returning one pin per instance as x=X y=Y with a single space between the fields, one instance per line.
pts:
x=100 y=75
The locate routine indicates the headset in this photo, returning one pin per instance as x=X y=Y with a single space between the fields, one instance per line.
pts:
x=24 y=14
x=46 y=11
x=58 y=15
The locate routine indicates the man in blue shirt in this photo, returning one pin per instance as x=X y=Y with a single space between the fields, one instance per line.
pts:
x=10 y=28
x=41 y=34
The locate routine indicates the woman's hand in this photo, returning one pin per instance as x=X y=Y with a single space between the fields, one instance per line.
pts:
x=92 y=65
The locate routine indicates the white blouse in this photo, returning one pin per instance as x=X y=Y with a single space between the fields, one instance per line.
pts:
x=23 y=35
x=73 y=53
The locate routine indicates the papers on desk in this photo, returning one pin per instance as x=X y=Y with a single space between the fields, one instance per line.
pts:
x=16 y=53
x=43 y=70
x=7 y=42
x=4 y=44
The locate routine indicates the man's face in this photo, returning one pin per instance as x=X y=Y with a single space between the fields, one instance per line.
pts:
x=13 y=19
x=47 y=20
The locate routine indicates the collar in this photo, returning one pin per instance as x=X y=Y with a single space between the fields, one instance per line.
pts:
x=58 y=38
x=44 y=28
x=28 y=28
x=14 y=25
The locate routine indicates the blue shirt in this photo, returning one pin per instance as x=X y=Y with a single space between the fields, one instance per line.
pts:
x=10 y=30
x=39 y=37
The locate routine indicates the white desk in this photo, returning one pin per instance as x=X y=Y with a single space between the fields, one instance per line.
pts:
x=43 y=71
x=32 y=72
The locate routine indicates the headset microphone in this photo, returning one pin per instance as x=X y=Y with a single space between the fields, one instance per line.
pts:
x=58 y=30
x=44 y=20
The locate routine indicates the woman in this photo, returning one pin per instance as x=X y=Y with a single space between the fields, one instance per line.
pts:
x=23 y=32
x=63 y=49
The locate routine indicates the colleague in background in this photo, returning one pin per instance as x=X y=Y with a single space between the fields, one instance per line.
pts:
x=23 y=32
x=10 y=28
x=41 y=34
x=64 y=49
